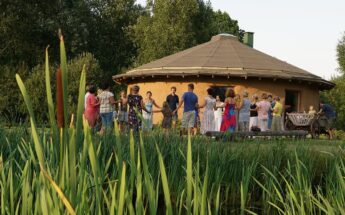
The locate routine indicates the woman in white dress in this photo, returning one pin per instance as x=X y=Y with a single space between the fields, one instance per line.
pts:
x=218 y=113
x=208 y=120
x=149 y=102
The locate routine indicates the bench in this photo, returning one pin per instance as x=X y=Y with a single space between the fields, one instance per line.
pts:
x=299 y=134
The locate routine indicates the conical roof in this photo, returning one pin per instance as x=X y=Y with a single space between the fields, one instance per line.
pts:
x=223 y=55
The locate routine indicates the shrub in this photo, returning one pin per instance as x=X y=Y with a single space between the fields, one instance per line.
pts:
x=36 y=83
x=10 y=97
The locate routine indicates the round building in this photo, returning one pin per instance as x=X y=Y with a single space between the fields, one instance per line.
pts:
x=225 y=62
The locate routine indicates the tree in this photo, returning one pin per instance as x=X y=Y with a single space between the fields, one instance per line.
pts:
x=93 y=26
x=172 y=26
x=222 y=23
x=110 y=40
x=166 y=31
x=336 y=95
x=341 y=54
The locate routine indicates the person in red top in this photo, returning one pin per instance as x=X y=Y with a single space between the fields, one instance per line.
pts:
x=229 y=116
x=92 y=107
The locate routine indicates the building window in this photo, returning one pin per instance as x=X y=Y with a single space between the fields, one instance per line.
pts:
x=220 y=91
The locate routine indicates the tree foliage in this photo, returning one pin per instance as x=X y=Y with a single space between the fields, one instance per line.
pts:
x=10 y=95
x=114 y=34
x=172 y=26
x=341 y=54
x=35 y=83
x=336 y=95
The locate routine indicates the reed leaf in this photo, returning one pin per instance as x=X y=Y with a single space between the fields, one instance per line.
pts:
x=62 y=196
x=139 y=207
x=50 y=102
x=121 y=202
x=38 y=145
x=189 y=178
x=204 y=192
x=165 y=183
x=64 y=75
x=147 y=179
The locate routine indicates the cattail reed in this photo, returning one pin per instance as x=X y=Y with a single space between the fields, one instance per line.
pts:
x=59 y=99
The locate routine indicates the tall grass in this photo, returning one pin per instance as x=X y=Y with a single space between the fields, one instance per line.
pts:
x=71 y=171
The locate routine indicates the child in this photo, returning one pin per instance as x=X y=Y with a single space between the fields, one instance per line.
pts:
x=312 y=110
x=196 y=122
x=167 y=116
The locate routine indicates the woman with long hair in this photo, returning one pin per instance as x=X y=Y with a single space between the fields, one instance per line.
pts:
x=92 y=107
x=149 y=102
x=229 y=116
x=208 y=121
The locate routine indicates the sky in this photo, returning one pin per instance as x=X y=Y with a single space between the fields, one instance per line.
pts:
x=304 y=33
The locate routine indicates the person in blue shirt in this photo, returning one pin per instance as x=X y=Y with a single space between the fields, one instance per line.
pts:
x=190 y=101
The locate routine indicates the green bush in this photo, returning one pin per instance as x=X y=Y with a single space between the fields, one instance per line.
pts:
x=339 y=135
x=36 y=82
x=336 y=98
x=11 y=109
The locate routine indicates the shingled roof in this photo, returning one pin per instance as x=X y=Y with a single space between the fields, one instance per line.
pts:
x=224 y=55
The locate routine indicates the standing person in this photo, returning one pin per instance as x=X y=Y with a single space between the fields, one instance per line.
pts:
x=218 y=113
x=149 y=102
x=330 y=115
x=136 y=105
x=123 y=114
x=253 y=121
x=277 y=115
x=190 y=101
x=208 y=120
x=91 y=109
x=167 y=116
x=244 y=113
x=270 y=112
x=196 y=121
x=173 y=101
x=263 y=107
x=229 y=116
x=87 y=89
x=238 y=102
x=107 y=102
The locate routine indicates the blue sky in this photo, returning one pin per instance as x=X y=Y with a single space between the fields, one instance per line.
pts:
x=302 y=32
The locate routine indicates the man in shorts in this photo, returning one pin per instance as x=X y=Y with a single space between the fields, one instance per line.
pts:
x=173 y=101
x=190 y=101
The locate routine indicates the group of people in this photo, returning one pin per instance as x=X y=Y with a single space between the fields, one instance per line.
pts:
x=238 y=113
x=132 y=111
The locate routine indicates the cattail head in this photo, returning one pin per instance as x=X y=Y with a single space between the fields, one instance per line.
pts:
x=59 y=99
